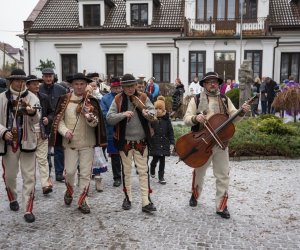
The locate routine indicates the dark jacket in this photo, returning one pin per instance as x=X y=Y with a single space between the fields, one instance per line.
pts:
x=177 y=97
x=53 y=92
x=3 y=86
x=270 y=90
x=163 y=136
x=47 y=111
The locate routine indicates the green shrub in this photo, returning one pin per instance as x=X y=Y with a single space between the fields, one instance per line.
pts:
x=275 y=126
x=234 y=95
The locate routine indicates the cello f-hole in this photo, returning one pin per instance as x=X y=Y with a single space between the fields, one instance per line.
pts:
x=205 y=141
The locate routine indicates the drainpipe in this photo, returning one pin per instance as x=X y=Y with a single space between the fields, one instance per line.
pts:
x=28 y=48
x=177 y=67
x=274 y=49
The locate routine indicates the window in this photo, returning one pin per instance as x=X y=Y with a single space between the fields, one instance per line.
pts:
x=217 y=9
x=139 y=14
x=225 y=9
x=91 y=15
x=114 y=64
x=250 y=9
x=255 y=56
x=161 y=67
x=205 y=9
x=69 y=65
x=196 y=64
x=290 y=65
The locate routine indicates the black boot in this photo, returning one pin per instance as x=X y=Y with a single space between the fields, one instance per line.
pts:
x=193 y=201
x=14 y=206
x=152 y=171
x=224 y=214
x=161 y=179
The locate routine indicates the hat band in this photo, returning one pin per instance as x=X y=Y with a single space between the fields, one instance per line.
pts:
x=128 y=81
x=17 y=76
x=115 y=83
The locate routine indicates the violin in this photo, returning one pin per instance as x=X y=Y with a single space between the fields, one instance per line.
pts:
x=86 y=106
x=20 y=107
x=141 y=106
x=195 y=148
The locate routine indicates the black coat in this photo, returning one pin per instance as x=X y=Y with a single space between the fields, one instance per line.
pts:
x=53 y=93
x=163 y=137
x=47 y=111
x=270 y=90
x=177 y=97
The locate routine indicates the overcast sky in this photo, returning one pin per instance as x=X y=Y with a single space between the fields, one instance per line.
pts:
x=13 y=13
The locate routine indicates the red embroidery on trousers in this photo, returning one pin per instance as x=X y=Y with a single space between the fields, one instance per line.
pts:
x=223 y=203
x=29 y=206
x=194 y=189
x=10 y=195
x=83 y=196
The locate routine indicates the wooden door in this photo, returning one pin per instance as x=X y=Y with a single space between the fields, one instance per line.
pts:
x=225 y=69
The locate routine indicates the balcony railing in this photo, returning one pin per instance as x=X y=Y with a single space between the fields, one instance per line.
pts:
x=226 y=27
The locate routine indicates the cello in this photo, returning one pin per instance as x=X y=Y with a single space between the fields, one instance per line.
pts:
x=195 y=148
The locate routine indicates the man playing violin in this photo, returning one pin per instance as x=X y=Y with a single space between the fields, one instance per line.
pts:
x=42 y=129
x=130 y=113
x=200 y=109
x=18 y=141
x=78 y=119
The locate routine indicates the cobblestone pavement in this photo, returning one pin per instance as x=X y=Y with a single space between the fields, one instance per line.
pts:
x=264 y=206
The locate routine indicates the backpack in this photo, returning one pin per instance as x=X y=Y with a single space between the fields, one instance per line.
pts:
x=224 y=99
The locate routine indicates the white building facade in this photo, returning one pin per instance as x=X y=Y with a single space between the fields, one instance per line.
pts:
x=162 y=38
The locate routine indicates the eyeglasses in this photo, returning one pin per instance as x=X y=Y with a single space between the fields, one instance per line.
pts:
x=211 y=82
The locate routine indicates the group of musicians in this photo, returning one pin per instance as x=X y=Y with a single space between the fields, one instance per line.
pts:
x=77 y=125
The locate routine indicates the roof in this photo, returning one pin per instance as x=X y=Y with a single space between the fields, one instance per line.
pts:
x=284 y=13
x=63 y=14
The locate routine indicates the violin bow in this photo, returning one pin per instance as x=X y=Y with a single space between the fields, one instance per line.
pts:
x=213 y=134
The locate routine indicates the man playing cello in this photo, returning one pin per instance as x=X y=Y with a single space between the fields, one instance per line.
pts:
x=199 y=110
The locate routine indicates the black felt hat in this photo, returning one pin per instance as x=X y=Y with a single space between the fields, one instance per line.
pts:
x=32 y=78
x=79 y=76
x=128 y=80
x=17 y=74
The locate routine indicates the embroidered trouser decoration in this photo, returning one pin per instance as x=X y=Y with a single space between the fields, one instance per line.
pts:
x=70 y=189
x=137 y=145
x=83 y=196
x=223 y=203
x=140 y=146
x=29 y=205
x=194 y=188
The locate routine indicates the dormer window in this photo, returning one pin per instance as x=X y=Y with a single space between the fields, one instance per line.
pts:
x=139 y=14
x=92 y=12
x=91 y=15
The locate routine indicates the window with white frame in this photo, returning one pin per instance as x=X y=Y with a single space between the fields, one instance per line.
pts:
x=69 y=65
x=139 y=14
x=114 y=65
x=161 y=67
x=91 y=15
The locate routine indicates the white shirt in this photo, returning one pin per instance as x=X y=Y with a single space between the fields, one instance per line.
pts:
x=195 y=87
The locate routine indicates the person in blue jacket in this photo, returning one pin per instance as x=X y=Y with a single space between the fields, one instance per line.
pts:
x=105 y=103
x=152 y=88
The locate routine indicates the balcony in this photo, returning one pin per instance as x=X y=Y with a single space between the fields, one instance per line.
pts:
x=228 y=27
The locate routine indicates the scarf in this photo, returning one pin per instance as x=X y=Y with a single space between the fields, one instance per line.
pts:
x=218 y=107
